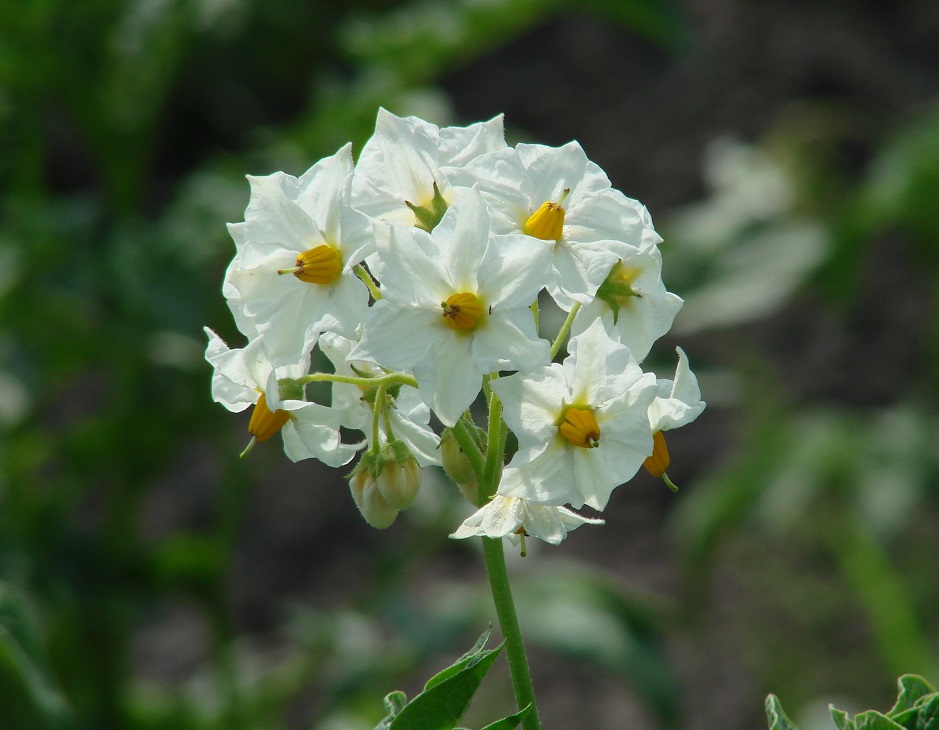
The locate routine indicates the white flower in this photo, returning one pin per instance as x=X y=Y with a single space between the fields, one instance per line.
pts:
x=291 y=277
x=456 y=305
x=409 y=415
x=632 y=302
x=246 y=377
x=558 y=195
x=582 y=426
x=401 y=164
x=677 y=402
x=515 y=518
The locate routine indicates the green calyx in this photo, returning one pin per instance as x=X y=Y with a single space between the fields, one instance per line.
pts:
x=290 y=389
x=428 y=216
x=616 y=290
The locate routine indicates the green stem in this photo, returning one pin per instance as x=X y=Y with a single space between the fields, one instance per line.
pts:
x=565 y=330
x=386 y=380
x=511 y=632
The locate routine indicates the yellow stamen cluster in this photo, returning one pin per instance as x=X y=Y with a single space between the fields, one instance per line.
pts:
x=264 y=422
x=462 y=311
x=580 y=428
x=547 y=223
x=657 y=464
x=319 y=265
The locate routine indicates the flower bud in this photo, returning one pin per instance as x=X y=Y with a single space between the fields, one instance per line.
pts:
x=376 y=511
x=454 y=461
x=399 y=483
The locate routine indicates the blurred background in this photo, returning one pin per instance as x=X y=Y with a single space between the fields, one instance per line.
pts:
x=789 y=154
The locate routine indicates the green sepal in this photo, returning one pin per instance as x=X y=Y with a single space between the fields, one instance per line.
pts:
x=289 y=389
x=428 y=216
x=776 y=717
x=615 y=293
x=395 y=450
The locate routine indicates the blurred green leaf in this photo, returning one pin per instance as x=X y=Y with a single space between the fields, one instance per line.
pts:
x=776 y=717
x=583 y=614
x=873 y=720
x=23 y=665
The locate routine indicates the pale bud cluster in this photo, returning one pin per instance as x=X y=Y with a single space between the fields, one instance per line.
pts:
x=416 y=270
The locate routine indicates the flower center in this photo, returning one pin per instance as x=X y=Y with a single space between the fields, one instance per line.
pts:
x=462 y=311
x=319 y=265
x=580 y=428
x=657 y=464
x=264 y=422
x=547 y=223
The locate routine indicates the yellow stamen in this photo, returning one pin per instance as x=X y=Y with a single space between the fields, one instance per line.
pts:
x=657 y=464
x=547 y=223
x=580 y=428
x=264 y=422
x=462 y=311
x=319 y=265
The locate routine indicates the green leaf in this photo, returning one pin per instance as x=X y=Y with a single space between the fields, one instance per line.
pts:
x=928 y=718
x=394 y=703
x=873 y=720
x=841 y=718
x=510 y=722
x=460 y=663
x=442 y=704
x=913 y=689
x=775 y=716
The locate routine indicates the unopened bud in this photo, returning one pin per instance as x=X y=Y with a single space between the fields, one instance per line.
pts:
x=376 y=511
x=455 y=462
x=399 y=483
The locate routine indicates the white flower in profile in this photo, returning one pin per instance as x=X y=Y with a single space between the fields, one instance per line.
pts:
x=558 y=195
x=245 y=377
x=399 y=177
x=292 y=277
x=407 y=413
x=582 y=425
x=677 y=403
x=632 y=302
x=456 y=305
x=516 y=519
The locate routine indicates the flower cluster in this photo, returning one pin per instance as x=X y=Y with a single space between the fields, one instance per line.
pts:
x=416 y=271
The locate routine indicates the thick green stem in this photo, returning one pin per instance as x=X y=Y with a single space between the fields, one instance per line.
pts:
x=511 y=632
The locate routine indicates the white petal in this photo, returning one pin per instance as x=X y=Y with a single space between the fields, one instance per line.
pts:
x=546 y=479
x=313 y=432
x=396 y=337
x=508 y=342
x=532 y=403
x=449 y=379
x=515 y=269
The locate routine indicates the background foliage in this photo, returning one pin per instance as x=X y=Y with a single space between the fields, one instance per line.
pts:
x=790 y=156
